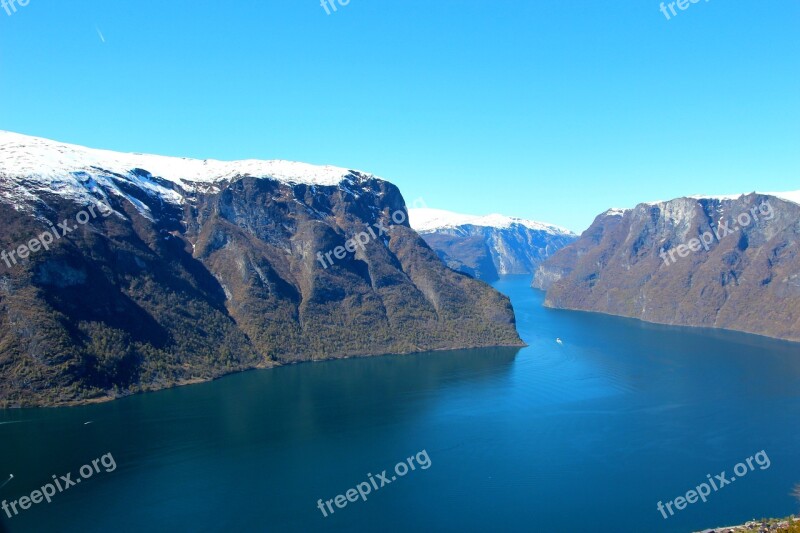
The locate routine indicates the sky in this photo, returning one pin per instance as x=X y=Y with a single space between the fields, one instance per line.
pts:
x=551 y=110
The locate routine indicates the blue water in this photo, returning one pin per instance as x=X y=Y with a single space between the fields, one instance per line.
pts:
x=584 y=436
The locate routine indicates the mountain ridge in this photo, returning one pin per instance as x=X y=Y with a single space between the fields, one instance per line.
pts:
x=425 y=219
x=486 y=247
x=185 y=280
x=728 y=262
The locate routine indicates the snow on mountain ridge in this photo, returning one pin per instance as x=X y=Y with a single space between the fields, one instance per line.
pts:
x=791 y=196
x=35 y=165
x=22 y=154
x=426 y=220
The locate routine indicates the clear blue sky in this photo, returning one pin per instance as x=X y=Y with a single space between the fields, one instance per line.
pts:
x=546 y=109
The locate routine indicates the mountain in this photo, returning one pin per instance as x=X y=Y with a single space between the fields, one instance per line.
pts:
x=490 y=246
x=122 y=273
x=729 y=262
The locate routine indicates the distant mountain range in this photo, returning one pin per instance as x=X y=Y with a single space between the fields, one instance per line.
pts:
x=127 y=272
x=729 y=262
x=489 y=246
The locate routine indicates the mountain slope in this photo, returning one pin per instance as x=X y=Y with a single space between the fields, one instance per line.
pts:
x=486 y=247
x=723 y=262
x=176 y=270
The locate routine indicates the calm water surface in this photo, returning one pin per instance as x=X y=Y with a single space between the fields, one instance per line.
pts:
x=587 y=435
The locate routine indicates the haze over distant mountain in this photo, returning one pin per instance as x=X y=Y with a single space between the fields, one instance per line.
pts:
x=728 y=262
x=198 y=268
x=486 y=247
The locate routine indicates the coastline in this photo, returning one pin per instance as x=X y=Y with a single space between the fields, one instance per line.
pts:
x=793 y=342
x=263 y=366
x=790 y=524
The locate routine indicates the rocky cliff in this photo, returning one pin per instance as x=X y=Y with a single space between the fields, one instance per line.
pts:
x=160 y=271
x=720 y=262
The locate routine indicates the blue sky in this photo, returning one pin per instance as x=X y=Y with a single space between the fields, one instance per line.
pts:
x=544 y=109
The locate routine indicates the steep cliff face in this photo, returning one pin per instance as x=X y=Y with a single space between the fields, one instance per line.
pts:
x=166 y=271
x=564 y=261
x=491 y=246
x=725 y=262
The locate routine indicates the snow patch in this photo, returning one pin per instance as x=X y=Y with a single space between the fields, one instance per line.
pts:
x=791 y=196
x=33 y=166
x=22 y=155
x=427 y=220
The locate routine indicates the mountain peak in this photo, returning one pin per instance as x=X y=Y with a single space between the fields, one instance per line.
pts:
x=791 y=196
x=426 y=220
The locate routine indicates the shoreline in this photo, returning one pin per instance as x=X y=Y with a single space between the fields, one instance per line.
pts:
x=788 y=524
x=792 y=342
x=263 y=366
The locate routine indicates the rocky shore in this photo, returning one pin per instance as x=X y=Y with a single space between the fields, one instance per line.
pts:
x=784 y=525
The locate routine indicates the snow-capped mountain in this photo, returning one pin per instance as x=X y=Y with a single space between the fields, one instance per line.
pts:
x=728 y=262
x=197 y=268
x=427 y=220
x=488 y=246
x=790 y=196
x=86 y=175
